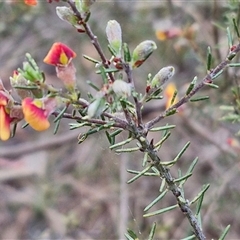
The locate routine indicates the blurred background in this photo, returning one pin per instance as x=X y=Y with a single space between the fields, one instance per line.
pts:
x=53 y=188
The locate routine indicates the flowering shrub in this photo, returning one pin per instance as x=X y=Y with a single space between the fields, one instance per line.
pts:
x=116 y=106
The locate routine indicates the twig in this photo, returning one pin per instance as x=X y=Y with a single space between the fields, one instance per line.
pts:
x=208 y=78
x=122 y=124
x=138 y=104
x=165 y=173
x=94 y=39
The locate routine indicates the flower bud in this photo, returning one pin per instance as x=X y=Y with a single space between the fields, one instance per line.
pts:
x=66 y=14
x=121 y=88
x=114 y=36
x=142 y=52
x=31 y=70
x=83 y=6
x=162 y=76
x=96 y=108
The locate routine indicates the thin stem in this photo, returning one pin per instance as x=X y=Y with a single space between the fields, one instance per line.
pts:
x=208 y=78
x=138 y=104
x=122 y=125
x=93 y=38
x=172 y=186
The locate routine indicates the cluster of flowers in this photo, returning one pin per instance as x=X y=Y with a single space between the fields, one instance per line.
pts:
x=36 y=107
x=39 y=100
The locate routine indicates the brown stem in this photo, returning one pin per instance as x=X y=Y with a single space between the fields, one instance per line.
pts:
x=93 y=38
x=138 y=104
x=122 y=124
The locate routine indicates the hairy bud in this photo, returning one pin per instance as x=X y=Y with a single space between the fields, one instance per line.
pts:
x=162 y=76
x=114 y=36
x=142 y=52
x=122 y=88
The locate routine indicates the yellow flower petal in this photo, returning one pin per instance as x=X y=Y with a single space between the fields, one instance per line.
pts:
x=169 y=92
x=5 y=120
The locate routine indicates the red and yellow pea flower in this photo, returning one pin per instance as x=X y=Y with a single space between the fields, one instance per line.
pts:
x=59 y=55
x=36 y=112
x=9 y=113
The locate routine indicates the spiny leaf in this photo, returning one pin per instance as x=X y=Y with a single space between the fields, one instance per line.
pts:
x=209 y=59
x=59 y=116
x=90 y=59
x=145 y=174
x=121 y=143
x=197 y=99
x=223 y=235
x=152 y=232
x=167 y=209
x=183 y=178
x=204 y=189
x=236 y=27
x=56 y=126
x=166 y=127
x=127 y=150
x=156 y=200
x=190 y=169
x=229 y=37
x=192 y=85
x=139 y=174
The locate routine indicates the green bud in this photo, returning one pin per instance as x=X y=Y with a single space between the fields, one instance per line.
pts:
x=122 y=88
x=66 y=14
x=142 y=52
x=24 y=87
x=114 y=36
x=96 y=108
x=162 y=76
x=30 y=70
x=83 y=6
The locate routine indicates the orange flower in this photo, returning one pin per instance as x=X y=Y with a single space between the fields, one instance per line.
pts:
x=37 y=111
x=59 y=55
x=169 y=92
x=31 y=2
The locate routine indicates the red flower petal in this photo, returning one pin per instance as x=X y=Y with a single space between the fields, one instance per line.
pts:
x=31 y=2
x=59 y=54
